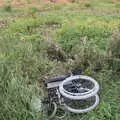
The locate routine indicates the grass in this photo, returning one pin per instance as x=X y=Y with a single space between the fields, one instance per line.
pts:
x=84 y=39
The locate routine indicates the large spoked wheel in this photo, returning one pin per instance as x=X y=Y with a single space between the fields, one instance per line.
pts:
x=92 y=105
x=80 y=93
x=79 y=87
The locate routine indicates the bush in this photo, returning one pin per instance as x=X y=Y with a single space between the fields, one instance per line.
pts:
x=87 y=5
x=75 y=1
x=8 y=8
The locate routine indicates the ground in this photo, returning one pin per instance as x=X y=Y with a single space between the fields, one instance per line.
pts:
x=42 y=39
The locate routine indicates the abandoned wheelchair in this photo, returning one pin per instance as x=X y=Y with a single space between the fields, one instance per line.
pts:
x=75 y=93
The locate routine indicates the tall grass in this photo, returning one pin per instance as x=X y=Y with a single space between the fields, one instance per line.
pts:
x=25 y=61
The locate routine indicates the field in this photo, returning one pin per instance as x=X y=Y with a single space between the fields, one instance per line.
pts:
x=45 y=39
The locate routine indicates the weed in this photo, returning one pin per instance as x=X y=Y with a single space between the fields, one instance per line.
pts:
x=32 y=11
x=114 y=44
x=114 y=50
x=56 y=53
x=87 y=5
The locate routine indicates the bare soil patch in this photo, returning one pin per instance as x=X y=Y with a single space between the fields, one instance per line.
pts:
x=35 y=2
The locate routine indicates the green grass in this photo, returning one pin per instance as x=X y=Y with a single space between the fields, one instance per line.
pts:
x=25 y=59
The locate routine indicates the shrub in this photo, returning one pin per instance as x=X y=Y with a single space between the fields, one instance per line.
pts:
x=8 y=8
x=87 y=5
x=75 y=1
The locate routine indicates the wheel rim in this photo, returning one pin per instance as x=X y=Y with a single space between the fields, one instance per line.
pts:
x=77 y=96
x=83 y=110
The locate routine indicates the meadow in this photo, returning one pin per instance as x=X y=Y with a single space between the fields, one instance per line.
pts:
x=52 y=39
